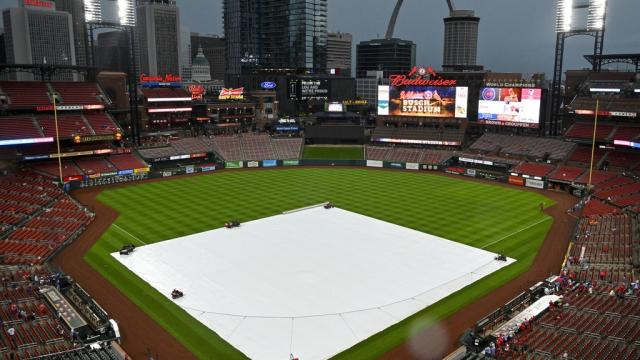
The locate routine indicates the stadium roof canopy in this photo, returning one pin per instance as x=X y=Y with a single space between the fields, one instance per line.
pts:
x=633 y=59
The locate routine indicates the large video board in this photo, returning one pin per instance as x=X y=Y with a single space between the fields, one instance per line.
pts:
x=309 y=89
x=510 y=106
x=424 y=101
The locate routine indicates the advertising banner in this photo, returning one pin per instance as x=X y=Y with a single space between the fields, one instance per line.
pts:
x=396 y=165
x=374 y=163
x=291 y=162
x=233 y=164
x=189 y=169
x=516 y=180
x=471 y=172
x=510 y=106
x=412 y=166
x=533 y=183
x=125 y=172
x=269 y=163
x=166 y=173
x=252 y=164
x=141 y=170
x=208 y=168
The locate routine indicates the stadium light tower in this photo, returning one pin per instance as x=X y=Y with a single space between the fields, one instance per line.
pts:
x=571 y=20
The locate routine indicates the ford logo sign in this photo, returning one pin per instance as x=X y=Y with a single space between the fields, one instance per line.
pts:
x=268 y=85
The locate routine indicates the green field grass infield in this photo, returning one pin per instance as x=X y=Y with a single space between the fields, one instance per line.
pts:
x=337 y=152
x=495 y=218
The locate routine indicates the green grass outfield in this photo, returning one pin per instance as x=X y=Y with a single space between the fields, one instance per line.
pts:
x=333 y=152
x=495 y=218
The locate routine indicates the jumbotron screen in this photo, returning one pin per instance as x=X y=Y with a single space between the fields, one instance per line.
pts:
x=426 y=101
x=510 y=106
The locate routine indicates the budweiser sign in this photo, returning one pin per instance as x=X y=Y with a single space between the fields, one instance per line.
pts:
x=157 y=78
x=231 y=94
x=418 y=77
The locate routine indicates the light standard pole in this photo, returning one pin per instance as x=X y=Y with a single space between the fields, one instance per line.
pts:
x=593 y=141
x=55 y=120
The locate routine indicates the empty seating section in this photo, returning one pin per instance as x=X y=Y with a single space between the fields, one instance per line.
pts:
x=582 y=154
x=581 y=130
x=68 y=126
x=533 y=169
x=126 y=162
x=257 y=147
x=407 y=155
x=46 y=219
x=608 y=104
x=287 y=148
x=91 y=166
x=566 y=173
x=596 y=207
x=228 y=147
x=626 y=133
x=101 y=123
x=51 y=168
x=190 y=146
x=605 y=241
x=26 y=94
x=78 y=93
x=18 y=127
x=453 y=136
x=623 y=159
x=597 y=177
x=165 y=93
x=524 y=146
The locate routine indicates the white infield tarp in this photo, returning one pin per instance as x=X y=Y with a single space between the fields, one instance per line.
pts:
x=310 y=283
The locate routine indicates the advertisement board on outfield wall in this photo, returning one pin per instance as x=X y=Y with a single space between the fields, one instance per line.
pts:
x=291 y=162
x=252 y=164
x=190 y=169
x=412 y=166
x=471 y=172
x=396 y=165
x=533 y=183
x=207 y=168
x=375 y=163
x=234 y=164
x=269 y=163
x=516 y=180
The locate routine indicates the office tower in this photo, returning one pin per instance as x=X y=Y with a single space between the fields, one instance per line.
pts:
x=28 y=33
x=339 y=53
x=241 y=34
x=80 y=40
x=185 y=54
x=391 y=56
x=112 y=51
x=158 y=30
x=460 y=40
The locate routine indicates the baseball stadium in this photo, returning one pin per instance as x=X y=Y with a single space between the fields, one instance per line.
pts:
x=459 y=214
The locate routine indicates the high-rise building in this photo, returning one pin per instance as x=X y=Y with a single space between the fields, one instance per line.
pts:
x=276 y=34
x=460 y=40
x=391 y=56
x=158 y=30
x=76 y=9
x=200 y=70
x=213 y=48
x=185 y=54
x=241 y=34
x=28 y=38
x=339 y=53
x=112 y=51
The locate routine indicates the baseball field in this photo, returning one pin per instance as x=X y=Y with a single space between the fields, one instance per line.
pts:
x=490 y=217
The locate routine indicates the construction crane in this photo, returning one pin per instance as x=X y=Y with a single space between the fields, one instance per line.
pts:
x=394 y=16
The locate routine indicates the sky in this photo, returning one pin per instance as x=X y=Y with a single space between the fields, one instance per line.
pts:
x=514 y=35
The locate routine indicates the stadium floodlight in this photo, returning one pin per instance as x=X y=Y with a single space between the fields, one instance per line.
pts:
x=127 y=12
x=92 y=11
x=597 y=11
x=564 y=14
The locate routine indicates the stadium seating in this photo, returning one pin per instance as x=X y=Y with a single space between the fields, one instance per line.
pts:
x=523 y=146
x=419 y=133
x=566 y=173
x=228 y=147
x=101 y=123
x=410 y=155
x=604 y=241
x=68 y=125
x=582 y=154
x=596 y=207
x=51 y=168
x=126 y=162
x=626 y=133
x=18 y=127
x=581 y=130
x=597 y=177
x=623 y=159
x=91 y=166
x=257 y=147
x=26 y=94
x=287 y=148
x=533 y=169
x=79 y=93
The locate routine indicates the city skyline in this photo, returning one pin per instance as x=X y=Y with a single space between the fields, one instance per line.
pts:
x=528 y=50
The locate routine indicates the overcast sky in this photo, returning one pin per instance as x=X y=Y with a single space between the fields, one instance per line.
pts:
x=515 y=35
